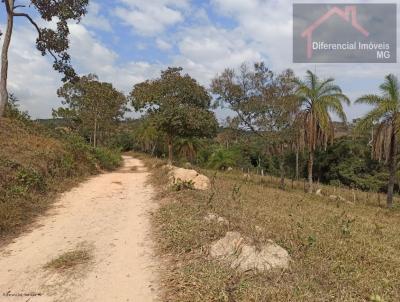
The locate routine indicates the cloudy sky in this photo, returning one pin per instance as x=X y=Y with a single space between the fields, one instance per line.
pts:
x=128 y=41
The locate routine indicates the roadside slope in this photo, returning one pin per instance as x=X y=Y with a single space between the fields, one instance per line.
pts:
x=109 y=216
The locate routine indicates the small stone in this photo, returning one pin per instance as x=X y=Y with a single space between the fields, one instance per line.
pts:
x=211 y=217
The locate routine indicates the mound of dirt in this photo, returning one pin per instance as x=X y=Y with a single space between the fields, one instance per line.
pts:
x=200 y=182
x=244 y=257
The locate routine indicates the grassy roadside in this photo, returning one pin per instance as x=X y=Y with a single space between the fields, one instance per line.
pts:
x=340 y=251
x=35 y=166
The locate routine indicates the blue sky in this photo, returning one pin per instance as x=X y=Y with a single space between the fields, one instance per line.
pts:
x=128 y=41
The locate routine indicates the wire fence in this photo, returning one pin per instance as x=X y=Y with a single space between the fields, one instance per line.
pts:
x=341 y=192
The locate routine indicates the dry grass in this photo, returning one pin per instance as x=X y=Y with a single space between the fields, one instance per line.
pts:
x=34 y=168
x=349 y=194
x=70 y=260
x=340 y=251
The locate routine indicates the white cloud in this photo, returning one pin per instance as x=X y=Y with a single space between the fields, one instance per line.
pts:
x=31 y=76
x=95 y=19
x=162 y=44
x=87 y=52
x=91 y=56
x=33 y=80
x=206 y=51
x=151 y=17
x=268 y=25
x=263 y=32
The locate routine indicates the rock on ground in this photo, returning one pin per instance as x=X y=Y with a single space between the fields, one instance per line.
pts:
x=201 y=182
x=339 y=198
x=211 y=217
x=243 y=257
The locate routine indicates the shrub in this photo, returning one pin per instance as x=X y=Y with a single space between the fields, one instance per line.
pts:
x=221 y=159
x=181 y=185
x=124 y=141
x=107 y=159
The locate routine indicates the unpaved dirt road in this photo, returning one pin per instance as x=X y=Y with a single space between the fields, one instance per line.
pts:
x=107 y=215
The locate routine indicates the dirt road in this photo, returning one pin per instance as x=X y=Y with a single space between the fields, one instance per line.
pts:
x=108 y=218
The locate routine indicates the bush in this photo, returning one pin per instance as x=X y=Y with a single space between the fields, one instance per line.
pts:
x=107 y=159
x=221 y=159
x=78 y=152
x=124 y=141
x=181 y=185
x=348 y=162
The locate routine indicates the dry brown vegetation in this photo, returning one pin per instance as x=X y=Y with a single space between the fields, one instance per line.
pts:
x=35 y=165
x=340 y=251
x=70 y=260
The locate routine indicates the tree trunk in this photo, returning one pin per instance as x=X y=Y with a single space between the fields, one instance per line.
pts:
x=282 y=172
x=310 y=171
x=95 y=133
x=4 y=60
x=153 y=150
x=392 y=168
x=297 y=164
x=170 y=150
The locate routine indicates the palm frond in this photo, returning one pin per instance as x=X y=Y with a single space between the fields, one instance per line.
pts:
x=369 y=99
x=368 y=121
x=390 y=88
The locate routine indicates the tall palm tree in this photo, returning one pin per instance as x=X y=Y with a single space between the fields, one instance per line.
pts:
x=384 y=119
x=318 y=98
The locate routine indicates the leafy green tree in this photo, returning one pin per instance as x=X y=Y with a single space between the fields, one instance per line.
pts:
x=49 y=41
x=177 y=104
x=348 y=161
x=263 y=102
x=318 y=98
x=384 y=118
x=92 y=107
x=147 y=136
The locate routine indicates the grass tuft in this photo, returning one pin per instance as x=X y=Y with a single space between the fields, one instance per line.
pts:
x=69 y=260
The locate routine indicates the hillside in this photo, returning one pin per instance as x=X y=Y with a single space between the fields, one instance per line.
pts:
x=36 y=164
x=340 y=250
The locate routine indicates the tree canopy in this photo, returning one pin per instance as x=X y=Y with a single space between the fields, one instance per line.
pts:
x=264 y=103
x=177 y=105
x=93 y=107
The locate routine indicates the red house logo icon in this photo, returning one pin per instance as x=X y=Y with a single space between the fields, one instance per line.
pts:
x=349 y=14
